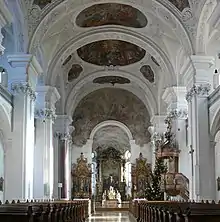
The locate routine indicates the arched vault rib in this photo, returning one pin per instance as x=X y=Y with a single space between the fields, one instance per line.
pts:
x=78 y=92
x=105 y=33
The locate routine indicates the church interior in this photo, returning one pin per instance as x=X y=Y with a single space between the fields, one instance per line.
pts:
x=110 y=110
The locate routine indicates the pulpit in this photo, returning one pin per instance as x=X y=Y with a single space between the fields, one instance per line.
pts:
x=81 y=178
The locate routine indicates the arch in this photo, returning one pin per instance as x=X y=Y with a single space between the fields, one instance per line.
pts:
x=104 y=33
x=111 y=123
x=148 y=100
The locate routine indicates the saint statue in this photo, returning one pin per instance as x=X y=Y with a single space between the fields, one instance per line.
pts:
x=118 y=197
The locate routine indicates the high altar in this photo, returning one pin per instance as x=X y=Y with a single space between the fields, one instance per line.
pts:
x=110 y=185
x=81 y=178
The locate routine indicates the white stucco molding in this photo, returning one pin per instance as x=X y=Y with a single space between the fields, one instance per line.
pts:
x=79 y=91
x=111 y=123
x=105 y=33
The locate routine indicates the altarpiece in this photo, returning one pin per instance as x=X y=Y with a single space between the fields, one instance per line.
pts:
x=81 y=178
x=140 y=173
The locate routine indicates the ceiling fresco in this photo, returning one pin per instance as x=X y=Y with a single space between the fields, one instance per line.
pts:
x=147 y=73
x=111 y=14
x=111 y=136
x=111 y=104
x=111 y=80
x=74 y=72
x=180 y=4
x=111 y=52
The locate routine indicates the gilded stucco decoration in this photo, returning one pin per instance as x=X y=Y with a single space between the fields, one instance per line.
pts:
x=111 y=104
x=111 y=14
x=74 y=72
x=111 y=80
x=180 y=4
x=111 y=52
x=147 y=73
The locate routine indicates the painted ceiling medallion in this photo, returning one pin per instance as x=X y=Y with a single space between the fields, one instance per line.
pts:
x=74 y=72
x=111 y=79
x=147 y=73
x=111 y=14
x=111 y=52
x=180 y=4
x=42 y=3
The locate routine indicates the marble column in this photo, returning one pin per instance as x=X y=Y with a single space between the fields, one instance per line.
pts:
x=5 y=18
x=63 y=141
x=47 y=97
x=19 y=159
x=199 y=80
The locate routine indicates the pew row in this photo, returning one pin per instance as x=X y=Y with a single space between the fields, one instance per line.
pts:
x=54 y=211
x=171 y=211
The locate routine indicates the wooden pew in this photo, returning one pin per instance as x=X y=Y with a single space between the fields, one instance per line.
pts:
x=53 y=211
x=168 y=211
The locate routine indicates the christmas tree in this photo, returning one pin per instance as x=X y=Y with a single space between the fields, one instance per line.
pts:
x=153 y=190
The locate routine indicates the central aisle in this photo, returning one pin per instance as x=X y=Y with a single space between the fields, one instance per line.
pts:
x=110 y=216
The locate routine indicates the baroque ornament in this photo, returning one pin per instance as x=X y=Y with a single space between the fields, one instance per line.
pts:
x=24 y=87
x=200 y=90
x=178 y=113
x=45 y=114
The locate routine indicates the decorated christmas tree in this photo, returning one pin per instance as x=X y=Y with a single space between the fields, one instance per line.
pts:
x=153 y=190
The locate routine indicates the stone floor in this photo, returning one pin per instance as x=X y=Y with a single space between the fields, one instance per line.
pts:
x=111 y=217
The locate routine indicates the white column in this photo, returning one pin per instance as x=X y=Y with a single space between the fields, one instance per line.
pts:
x=217 y=162
x=45 y=114
x=177 y=110
x=19 y=159
x=135 y=151
x=5 y=18
x=199 y=85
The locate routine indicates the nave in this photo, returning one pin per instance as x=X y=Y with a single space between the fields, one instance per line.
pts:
x=111 y=216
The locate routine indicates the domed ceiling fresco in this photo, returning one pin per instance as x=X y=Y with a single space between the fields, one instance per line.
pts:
x=111 y=52
x=111 y=14
x=111 y=104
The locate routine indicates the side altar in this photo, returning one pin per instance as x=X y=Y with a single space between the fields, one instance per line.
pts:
x=81 y=178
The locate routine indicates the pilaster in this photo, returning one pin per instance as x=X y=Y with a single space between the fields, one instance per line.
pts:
x=22 y=152
x=47 y=96
x=201 y=153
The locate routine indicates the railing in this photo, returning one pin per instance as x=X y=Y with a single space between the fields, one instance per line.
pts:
x=176 y=184
x=168 y=211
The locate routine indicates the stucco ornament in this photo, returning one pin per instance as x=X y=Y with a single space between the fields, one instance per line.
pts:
x=201 y=90
x=111 y=104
